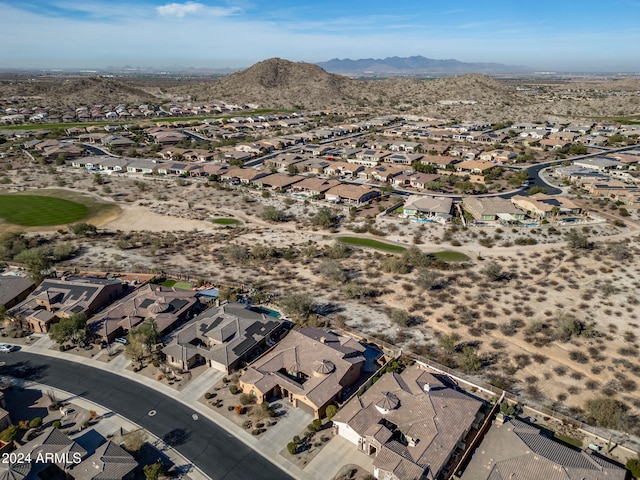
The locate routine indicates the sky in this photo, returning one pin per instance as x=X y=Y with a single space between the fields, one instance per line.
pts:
x=559 y=35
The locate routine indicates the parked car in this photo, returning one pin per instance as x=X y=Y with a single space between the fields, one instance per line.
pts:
x=6 y=348
x=121 y=340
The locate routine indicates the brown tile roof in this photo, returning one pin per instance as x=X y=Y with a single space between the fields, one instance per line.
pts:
x=323 y=357
x=434 y=420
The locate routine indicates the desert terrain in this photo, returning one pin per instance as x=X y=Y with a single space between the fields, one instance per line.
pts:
x=553 y=323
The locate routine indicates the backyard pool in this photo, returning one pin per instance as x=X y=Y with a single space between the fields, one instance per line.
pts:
x=266 y=311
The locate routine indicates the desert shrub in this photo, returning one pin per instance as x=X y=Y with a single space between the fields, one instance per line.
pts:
x=331 y=411
x=633 y=465
x=606 y=412
x=9 y=433
x=578 y=356
x=234 y=389
x=35 y=423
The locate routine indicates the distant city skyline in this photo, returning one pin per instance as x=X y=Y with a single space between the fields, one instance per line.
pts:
x=562 y=36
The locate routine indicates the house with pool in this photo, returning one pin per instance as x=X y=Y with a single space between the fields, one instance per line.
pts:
x=311 y=368
x=224 y=337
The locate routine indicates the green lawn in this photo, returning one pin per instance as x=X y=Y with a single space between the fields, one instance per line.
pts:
x=367 y=242
x=225 y=221
x=450 y=256
x=177 y=284
x=35 y=210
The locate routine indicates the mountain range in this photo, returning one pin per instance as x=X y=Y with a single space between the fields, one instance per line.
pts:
x=415 y=65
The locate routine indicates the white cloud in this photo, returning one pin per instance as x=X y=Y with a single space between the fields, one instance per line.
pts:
x=189 y=8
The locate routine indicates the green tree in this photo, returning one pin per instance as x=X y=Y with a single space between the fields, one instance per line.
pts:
x=9 y=433
x=272 y=214
x=448 y=342
x=607 y=412
x=507 y=408
x=299 y=306
x=429 y=279
x=469 y=360
x=153 y=471
x=331 y=411
x=36 y=261
x=63 y=251
x=332 y=270
x=11 y=244
x=633 y=465
x=576 y=239
x=135 y=440
x=325 y=218
x=536 y=189
x=493 y=271
x=71 y=329
x=147 y=332
x=292 y=169
x=83 y=229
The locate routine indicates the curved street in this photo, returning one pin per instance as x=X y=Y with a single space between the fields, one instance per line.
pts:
x=208 y=446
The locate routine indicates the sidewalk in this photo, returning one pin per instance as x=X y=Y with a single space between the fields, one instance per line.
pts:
x=335 y=454
x=112 y=424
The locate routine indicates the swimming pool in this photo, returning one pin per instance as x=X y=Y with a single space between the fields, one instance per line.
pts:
x=266 y=311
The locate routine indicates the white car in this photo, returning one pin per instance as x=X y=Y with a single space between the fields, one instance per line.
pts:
x=121 y=340
x=6 y=348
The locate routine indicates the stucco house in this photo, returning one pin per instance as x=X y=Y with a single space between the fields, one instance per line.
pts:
x=57 y=298
x=222 y=337
x=168 y=307
x=309 y=368
x=412 y=422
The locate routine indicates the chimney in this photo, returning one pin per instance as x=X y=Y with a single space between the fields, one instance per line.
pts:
x=427 y=387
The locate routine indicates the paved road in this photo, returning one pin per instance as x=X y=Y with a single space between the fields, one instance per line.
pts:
x=208 y=446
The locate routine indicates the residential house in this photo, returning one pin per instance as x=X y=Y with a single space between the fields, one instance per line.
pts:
x=54 y=455
x=108 y=462
x=14 y=289
x=174 y=168
x=601 y=164
x=372 y=155
x=310 y=368
x=117 y=141
x=420 y=180
x=314 y=186
x=343 y=169
x=57 y=298
x=141 y=166
x=478 y=167
x=313 y=165
x=424 y=206
x=517 y=450
x=492 y=208
x=381 y=173
x=351 y=194
x=67 y=150
x=439 y=161
x=408 y=147
x=542 y=205
x=413 y=422
x=284 y=160
x=554 y=143
x=245 y=176
x=168 y=307
x=222 y=337
x=403 y=158
x=278 y=181
x=164 y=137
